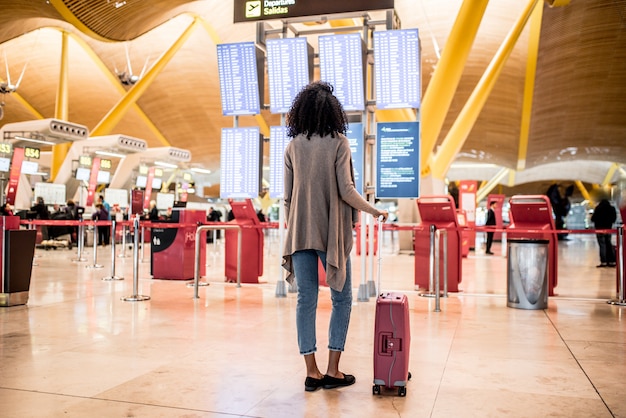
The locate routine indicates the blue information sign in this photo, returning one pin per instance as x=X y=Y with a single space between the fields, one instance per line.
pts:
x=398 y=70
x=278 y=143
x=397 y=151
x=240 y=168
x=342 y=64
x=288 y=69
x=355 y=135
x=239 y=80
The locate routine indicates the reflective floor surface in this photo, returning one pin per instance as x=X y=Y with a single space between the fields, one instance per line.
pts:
x=77 y=350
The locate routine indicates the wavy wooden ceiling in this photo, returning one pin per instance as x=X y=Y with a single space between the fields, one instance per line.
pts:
x=579 y=110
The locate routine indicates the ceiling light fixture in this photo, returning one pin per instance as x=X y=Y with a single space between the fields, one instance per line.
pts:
x=37 y=141
x=110 y=154
x=164 y=164
x=200 y=170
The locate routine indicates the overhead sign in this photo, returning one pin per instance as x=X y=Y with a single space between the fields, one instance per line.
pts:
x=247 y=10
x=397 y=151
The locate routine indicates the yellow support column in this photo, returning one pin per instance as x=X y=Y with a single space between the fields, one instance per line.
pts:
x=61 y=111
x=529 y=85
x=491 y=184
x=445 y=79
x=112 y=118
x=610 y=174
x=467 y=117
x=583 y=190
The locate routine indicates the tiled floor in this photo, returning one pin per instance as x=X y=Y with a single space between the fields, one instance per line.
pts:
x=77 y=350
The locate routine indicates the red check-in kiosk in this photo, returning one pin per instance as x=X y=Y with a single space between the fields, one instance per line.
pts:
x=466 y=232
x=534 y=212
x=17 y=249
x=441 y=212
x=251 y=246
x=172 y=250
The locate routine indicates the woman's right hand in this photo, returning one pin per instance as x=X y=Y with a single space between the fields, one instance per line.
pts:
x=384 y=214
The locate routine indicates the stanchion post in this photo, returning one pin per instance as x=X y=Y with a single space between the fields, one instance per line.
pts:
x=437 y=284
x=113 y=276
x=135 y=297
x=123 y=253
x=196 y=273
x=95 y=264
x=81 y=242
x=620 y=297
x=445 y=263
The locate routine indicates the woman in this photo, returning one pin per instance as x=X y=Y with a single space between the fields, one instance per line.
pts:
x=321 y=205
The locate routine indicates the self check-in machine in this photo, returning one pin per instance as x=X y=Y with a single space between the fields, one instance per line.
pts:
x=17 y=249
x=172 y=250
x=530 y=215
x=441 y=212
x=251 y=246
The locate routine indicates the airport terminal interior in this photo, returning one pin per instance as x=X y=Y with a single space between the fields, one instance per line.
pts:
x=518 y=102
x=76 y=349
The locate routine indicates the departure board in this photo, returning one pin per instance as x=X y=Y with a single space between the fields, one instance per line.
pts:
x=342 y=64
x=355 y=136
x=240 y=168
x=278 y=143
x=397 y=74
x=239 y=78
x=289 y=69
x=397 y=155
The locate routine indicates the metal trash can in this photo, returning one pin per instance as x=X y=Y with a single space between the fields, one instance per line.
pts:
x=527 y=273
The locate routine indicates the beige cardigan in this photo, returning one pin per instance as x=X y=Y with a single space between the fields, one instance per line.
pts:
x=321 y=202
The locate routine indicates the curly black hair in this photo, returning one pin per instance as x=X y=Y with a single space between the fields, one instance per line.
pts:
x=315 y=110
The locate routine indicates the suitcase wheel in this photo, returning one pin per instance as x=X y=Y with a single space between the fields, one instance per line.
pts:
x=376 y=390
x=401 y=390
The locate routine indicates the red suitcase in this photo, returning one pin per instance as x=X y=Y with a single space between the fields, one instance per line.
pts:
x=392 y=340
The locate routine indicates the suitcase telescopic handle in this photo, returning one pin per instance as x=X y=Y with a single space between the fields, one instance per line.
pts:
x=380 y=253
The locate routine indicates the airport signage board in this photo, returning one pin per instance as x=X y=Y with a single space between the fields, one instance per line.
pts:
x=251 y=10
x=397 y=155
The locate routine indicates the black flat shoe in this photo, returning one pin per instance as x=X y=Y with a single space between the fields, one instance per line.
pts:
x=312 y=384
x=334 y=382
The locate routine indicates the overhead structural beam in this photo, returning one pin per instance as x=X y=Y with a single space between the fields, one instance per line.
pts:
x=448 y=71
x=71 y=18
x=491 y=184
x=61 y=108
x=24 y=103
x=610 y=174
x=464 y=123
x=583 y=190
x=113 y=117
x=210 y=30
x=529 y=84
x=116 y=83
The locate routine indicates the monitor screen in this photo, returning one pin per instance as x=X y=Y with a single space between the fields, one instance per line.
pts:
x=342 y=64
x=141 y=181
x=240 y=81
x=240 y=162
x=83 y=174
x=30 y=167
x=5 y=164
x=289 y=69
x=104 y=177
x=398 y=72
x=156 y=183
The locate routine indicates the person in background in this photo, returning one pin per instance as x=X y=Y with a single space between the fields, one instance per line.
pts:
x=6 y=210
x=491 y=221
x=214 y=216
x=42 y=213
x=153 y=215
x=101 y=214
x=321 y=209
x=261 y=216
x=604 y=215
x=104 y=204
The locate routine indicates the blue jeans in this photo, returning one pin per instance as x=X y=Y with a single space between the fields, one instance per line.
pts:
x=305 y=268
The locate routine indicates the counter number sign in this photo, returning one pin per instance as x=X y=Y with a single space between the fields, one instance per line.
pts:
x=5 y=148
x=31 y=153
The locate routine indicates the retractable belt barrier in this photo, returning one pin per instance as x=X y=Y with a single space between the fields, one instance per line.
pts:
x=621 y=285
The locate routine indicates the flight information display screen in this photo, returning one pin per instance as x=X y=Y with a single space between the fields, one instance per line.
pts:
x=237 y=66
x=342 y=64
x=240 y=163
x=289 y=69
x=397 y=74
x=278 y=143
x=355 y=134
x=397 y=165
